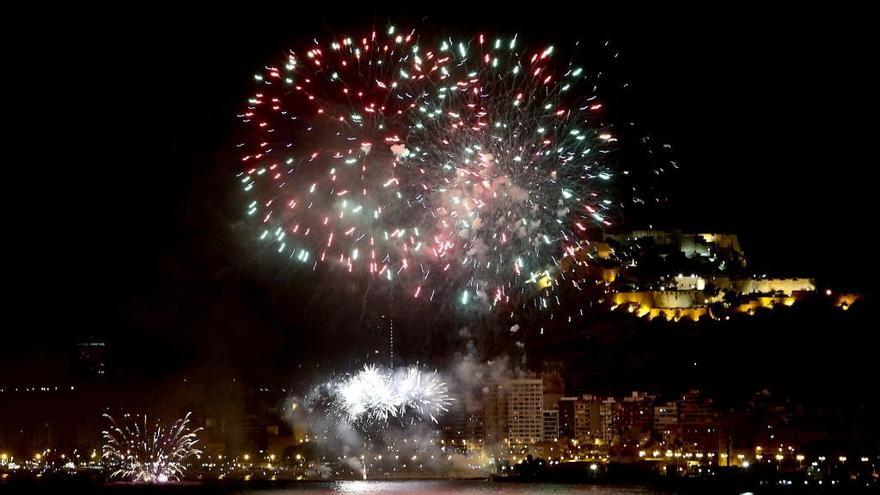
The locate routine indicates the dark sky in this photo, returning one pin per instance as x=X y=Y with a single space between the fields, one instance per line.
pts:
x=122 y=217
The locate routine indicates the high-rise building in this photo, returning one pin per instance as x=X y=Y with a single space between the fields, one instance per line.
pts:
x=525 y=413
x=566 y=417
x=551 y=425
x=453 y=426
x=666 y=419
x=513 y=412
x=494 y=415
x=587 y=423
x=579 y=418
x=609 y=414
x=462 y=430
x=636 y=418
x=696 y=419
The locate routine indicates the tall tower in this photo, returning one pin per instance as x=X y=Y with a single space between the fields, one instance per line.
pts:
x=382 y=341
x=91 y=358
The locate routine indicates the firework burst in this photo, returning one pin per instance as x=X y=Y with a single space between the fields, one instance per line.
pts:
x=460 y=168
x=375 y=395
x=144 y=453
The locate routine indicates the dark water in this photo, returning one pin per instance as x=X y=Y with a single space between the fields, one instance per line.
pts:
x=438 y=487
x=450 y=487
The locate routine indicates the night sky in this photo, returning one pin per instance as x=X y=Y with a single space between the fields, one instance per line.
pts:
x=123 y=207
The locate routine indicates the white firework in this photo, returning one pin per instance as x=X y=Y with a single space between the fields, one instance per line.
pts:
x=144 y=453
x=375 y=395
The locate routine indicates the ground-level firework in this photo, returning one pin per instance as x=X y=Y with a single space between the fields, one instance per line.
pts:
x=149 y=453
x=459 y=168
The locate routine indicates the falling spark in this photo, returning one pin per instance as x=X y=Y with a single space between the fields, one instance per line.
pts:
x=145 y=453
x=473 y=169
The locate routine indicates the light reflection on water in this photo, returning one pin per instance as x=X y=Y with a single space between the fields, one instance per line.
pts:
x=449 y=488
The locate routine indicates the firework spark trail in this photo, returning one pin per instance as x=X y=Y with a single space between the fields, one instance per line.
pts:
x=375 y=395
x=467 y=167
x=145 y=454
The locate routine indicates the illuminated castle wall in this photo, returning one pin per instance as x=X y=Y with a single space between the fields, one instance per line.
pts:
x=716 y=279
x=662 y=298
x=671 y=304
